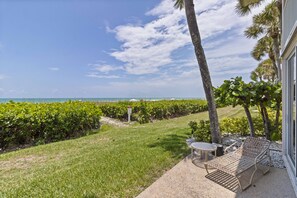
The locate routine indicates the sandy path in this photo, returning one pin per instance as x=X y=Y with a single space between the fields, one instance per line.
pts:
x=114 y=122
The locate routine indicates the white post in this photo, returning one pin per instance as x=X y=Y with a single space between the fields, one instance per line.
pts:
x=129 y=113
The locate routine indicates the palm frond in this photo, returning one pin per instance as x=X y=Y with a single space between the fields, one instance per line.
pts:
x=258 y=52
x=253 y=31
x=243 y=7
x=242 y=10
x=249 y=2
x=263 y=46
x=265 y=70
x=269 y=15
x=179 y=4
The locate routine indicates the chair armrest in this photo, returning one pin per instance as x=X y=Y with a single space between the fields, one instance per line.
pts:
x=228 y=147
x=263 y=153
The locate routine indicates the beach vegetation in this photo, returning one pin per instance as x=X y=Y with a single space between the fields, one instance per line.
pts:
x=200 y=131
x=236 y=92
x=23 y=124
x=146 y=111
x=265 y=95
x=267 y=27
x=114 y=162
x=143 y=114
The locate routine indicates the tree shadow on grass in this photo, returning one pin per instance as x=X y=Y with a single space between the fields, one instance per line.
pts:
x=176 y=144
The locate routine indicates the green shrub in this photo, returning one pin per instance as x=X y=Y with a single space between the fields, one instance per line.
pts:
x=240 y=126
x=28 y=123
x=276 y=136
x=201 y=131
x=114 y=110
x=194 y=126
x=157 y=110
x=143 y=115
x=234 y=126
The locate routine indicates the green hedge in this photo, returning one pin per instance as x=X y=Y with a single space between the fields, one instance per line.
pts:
x=234 y=126
x=240 y=126
x=28 y=123
x=154 y=110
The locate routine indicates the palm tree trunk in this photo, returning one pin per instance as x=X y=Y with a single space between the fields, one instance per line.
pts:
x=266 y=121
x=206 y=80
x=250 y=120
x=277 y=115
x=280 y=9
x=276 y=40
x=275 y=67
x=276 y=46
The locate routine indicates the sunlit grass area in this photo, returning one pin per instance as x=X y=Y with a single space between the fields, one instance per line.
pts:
x=115 y=162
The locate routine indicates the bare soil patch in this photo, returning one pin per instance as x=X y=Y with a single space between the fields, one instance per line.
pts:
x=21 y=163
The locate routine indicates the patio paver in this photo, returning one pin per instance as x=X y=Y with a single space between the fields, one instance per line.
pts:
x=187 y=180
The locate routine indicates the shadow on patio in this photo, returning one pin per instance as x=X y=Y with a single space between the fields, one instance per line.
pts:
x=188 y=180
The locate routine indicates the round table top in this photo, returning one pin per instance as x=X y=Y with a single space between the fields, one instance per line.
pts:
x=204 y=146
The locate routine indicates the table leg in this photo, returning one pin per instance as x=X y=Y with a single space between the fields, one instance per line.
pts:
x=206 y=155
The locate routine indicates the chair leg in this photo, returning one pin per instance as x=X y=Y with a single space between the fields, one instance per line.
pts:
x=264 y=171
x=251 y=178
x=269 y=165
x=206 y=168
x=250 y=182
x=239 y=183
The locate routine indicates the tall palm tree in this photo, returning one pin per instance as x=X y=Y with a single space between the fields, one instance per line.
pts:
x=264 y=71
x=267 y=23
x=205 y=75
x=263 y=47
x=244 y=7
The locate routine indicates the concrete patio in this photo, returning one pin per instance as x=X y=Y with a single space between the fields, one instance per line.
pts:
x=188 y=180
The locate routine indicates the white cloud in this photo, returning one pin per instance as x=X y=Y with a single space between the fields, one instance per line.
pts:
x=237 y=46
x=96 y=75
x=162 y=9
x=231 y=63
x=163 y=47
x=162 y=86
x=147 y=48
x=54 y=68
x=104 y=68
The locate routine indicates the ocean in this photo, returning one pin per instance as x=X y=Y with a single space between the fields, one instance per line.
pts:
x=49 y=100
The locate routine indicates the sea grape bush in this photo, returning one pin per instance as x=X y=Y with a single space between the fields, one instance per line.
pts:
x=143 y=113
x=154 y=110
x=201 y=131
x=29 y=123
x=236 y=125
x=263 y=94
x=240 y=126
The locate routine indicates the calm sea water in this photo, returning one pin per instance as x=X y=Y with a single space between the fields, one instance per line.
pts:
x=49 y=100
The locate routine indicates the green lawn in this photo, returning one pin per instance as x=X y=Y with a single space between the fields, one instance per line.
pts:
x=116 y=162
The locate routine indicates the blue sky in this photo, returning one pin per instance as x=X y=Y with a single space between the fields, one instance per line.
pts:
x=116 y=48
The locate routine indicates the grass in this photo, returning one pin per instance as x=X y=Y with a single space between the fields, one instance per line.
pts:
x=116 y=162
